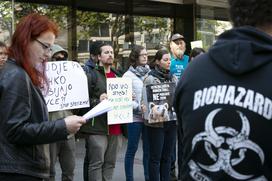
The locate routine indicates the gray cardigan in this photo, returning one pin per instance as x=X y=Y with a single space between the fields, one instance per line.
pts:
x=137 y=87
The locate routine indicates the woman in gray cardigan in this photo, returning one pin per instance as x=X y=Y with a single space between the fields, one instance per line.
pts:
x=137 y=71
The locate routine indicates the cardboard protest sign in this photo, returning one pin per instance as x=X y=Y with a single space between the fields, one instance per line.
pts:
x=68 y=86
x=158 y=99
x=119 y=91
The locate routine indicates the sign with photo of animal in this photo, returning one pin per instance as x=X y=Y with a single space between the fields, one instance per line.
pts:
x=158 y=101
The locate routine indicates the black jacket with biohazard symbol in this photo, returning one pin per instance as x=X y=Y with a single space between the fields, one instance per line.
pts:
x=223 y=103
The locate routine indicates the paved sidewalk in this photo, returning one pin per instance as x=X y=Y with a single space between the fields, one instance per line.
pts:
x=119 y=172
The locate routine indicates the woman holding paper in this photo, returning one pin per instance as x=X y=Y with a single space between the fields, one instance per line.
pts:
x=137 y=71
x=162 y=133
x=24 y=127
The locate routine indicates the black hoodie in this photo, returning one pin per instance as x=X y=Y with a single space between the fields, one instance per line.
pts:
x=223 y=103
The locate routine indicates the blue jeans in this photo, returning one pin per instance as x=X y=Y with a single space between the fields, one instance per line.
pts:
x=163 y=142
x=135 y=130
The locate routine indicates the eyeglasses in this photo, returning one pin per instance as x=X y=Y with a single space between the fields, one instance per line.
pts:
x=46 y=47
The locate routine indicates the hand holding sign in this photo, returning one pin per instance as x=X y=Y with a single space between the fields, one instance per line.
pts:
x=103 y=96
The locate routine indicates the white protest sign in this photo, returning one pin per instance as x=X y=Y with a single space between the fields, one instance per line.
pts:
x=68 y=86
x=196 y=44
x=119 y=91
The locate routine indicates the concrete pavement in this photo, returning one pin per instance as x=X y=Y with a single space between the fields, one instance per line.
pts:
x=119 y=172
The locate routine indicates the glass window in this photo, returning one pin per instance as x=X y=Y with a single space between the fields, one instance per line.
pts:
x=211 y=22
x=154 y=32
x=120 y=30
x=104 y=29
x=208 y=30
x=151 y=32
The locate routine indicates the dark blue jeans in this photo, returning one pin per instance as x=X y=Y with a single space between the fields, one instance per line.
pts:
x=163 y=142
x=135 y=131
x=174 y=157
x=180 y=152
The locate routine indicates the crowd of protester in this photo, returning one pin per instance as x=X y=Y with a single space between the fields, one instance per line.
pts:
x=216 y=126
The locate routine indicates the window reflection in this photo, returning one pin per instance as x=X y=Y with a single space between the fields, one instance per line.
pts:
x=122 y=31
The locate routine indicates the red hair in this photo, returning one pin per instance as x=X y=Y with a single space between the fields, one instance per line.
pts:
x=29 y=28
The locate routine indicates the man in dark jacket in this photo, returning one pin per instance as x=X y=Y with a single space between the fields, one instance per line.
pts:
x=94 y=50
x=223 y=101
x=89 y=68
x=103 y=140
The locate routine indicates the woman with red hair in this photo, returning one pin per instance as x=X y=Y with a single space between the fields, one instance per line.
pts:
x=24 y=127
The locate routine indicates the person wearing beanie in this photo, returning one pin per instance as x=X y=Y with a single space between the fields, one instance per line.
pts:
x=92 y=78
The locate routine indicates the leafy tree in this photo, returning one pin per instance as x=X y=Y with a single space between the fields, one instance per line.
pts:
x=150 y=25
x=6 y=17
x=57 y=13
x=88 y=23
x=117 y=29
x=206 y=32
